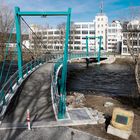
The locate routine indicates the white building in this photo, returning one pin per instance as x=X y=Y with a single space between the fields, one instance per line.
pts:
x=114 y=37
x=52 y=38
x=84 y=29
x=101 y=24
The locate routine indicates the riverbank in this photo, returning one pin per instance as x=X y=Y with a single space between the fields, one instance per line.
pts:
x=97 y=102
x=97 y=99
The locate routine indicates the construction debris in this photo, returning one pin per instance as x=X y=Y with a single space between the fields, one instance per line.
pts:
x=75 y=100
x=99 y=116
x=108 y=104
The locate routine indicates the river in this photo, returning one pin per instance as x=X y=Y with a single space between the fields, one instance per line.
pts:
x=111 y=79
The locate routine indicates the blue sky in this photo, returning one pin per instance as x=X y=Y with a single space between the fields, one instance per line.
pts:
x=82 y=10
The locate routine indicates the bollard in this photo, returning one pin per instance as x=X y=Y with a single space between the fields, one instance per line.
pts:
x=28 y=120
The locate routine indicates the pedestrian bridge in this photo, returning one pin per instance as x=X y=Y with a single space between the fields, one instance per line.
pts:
x=9 y=89
x=58 y=86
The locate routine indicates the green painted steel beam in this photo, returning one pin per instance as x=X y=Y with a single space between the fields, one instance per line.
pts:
x=43 y=13
x=38 y=13
x=18 y=38
x=62 y=103
x=87 y=46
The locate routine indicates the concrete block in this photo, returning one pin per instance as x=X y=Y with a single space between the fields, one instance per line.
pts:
x=108 y=104
x=119 y=133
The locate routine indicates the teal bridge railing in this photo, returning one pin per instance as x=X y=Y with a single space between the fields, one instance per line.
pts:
x=10 y=88
x=56 y=82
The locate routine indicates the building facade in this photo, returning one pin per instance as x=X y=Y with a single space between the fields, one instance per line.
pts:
x=53 y=39
x=101 y=24
x=131 y=34
x=114 y=37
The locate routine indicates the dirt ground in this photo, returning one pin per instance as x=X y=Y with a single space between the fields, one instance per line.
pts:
x=97 y=102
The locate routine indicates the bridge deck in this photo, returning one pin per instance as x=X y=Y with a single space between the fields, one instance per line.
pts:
x=33 y=95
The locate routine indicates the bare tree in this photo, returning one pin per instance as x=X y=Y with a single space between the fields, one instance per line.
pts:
x=62 y=29
x=6 y=20
x=133 y=44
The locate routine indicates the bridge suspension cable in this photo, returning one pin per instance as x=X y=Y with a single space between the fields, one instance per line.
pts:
x=36 y=35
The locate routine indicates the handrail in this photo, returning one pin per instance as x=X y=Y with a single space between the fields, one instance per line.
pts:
x=10 y=87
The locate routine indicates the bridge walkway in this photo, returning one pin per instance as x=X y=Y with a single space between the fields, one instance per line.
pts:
x=35 y=95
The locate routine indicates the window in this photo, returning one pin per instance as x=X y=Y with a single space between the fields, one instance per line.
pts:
x=50 y=37
x=109 y=30
x=91 y=25
x=77 y=42
x=113 y=25
x=98 y=25
x=113 y=30
x=77 y=32
x=91 y=32
x=85 y=26
x=84 y=32
x=124 y=42
x=70 y=42
x=44 y=37
x=77 y=26
x=98 y=19
x=56 y=37
x=77 y=37
x=135 y=42
x=102 y=19
x=50 y=33
x=124 y=50
x=77 y=48
x=44 y=33
x=56 y=32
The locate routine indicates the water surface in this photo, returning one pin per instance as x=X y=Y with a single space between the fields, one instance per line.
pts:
x=114 y=79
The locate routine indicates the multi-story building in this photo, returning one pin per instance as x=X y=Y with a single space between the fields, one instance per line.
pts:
x=53 y=39
x=131 y=34
x=114 y=37
x=101 y=24
x=84 y=29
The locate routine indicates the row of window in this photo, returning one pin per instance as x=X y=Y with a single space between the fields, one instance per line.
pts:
x=85 y=26
x=111 y=43
x=132 y=42
x=112 y=30
x=100 y=32
x=100 y=19
x=125 y=50
x=112 y=39
x=72 y=32
x=133 y=35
